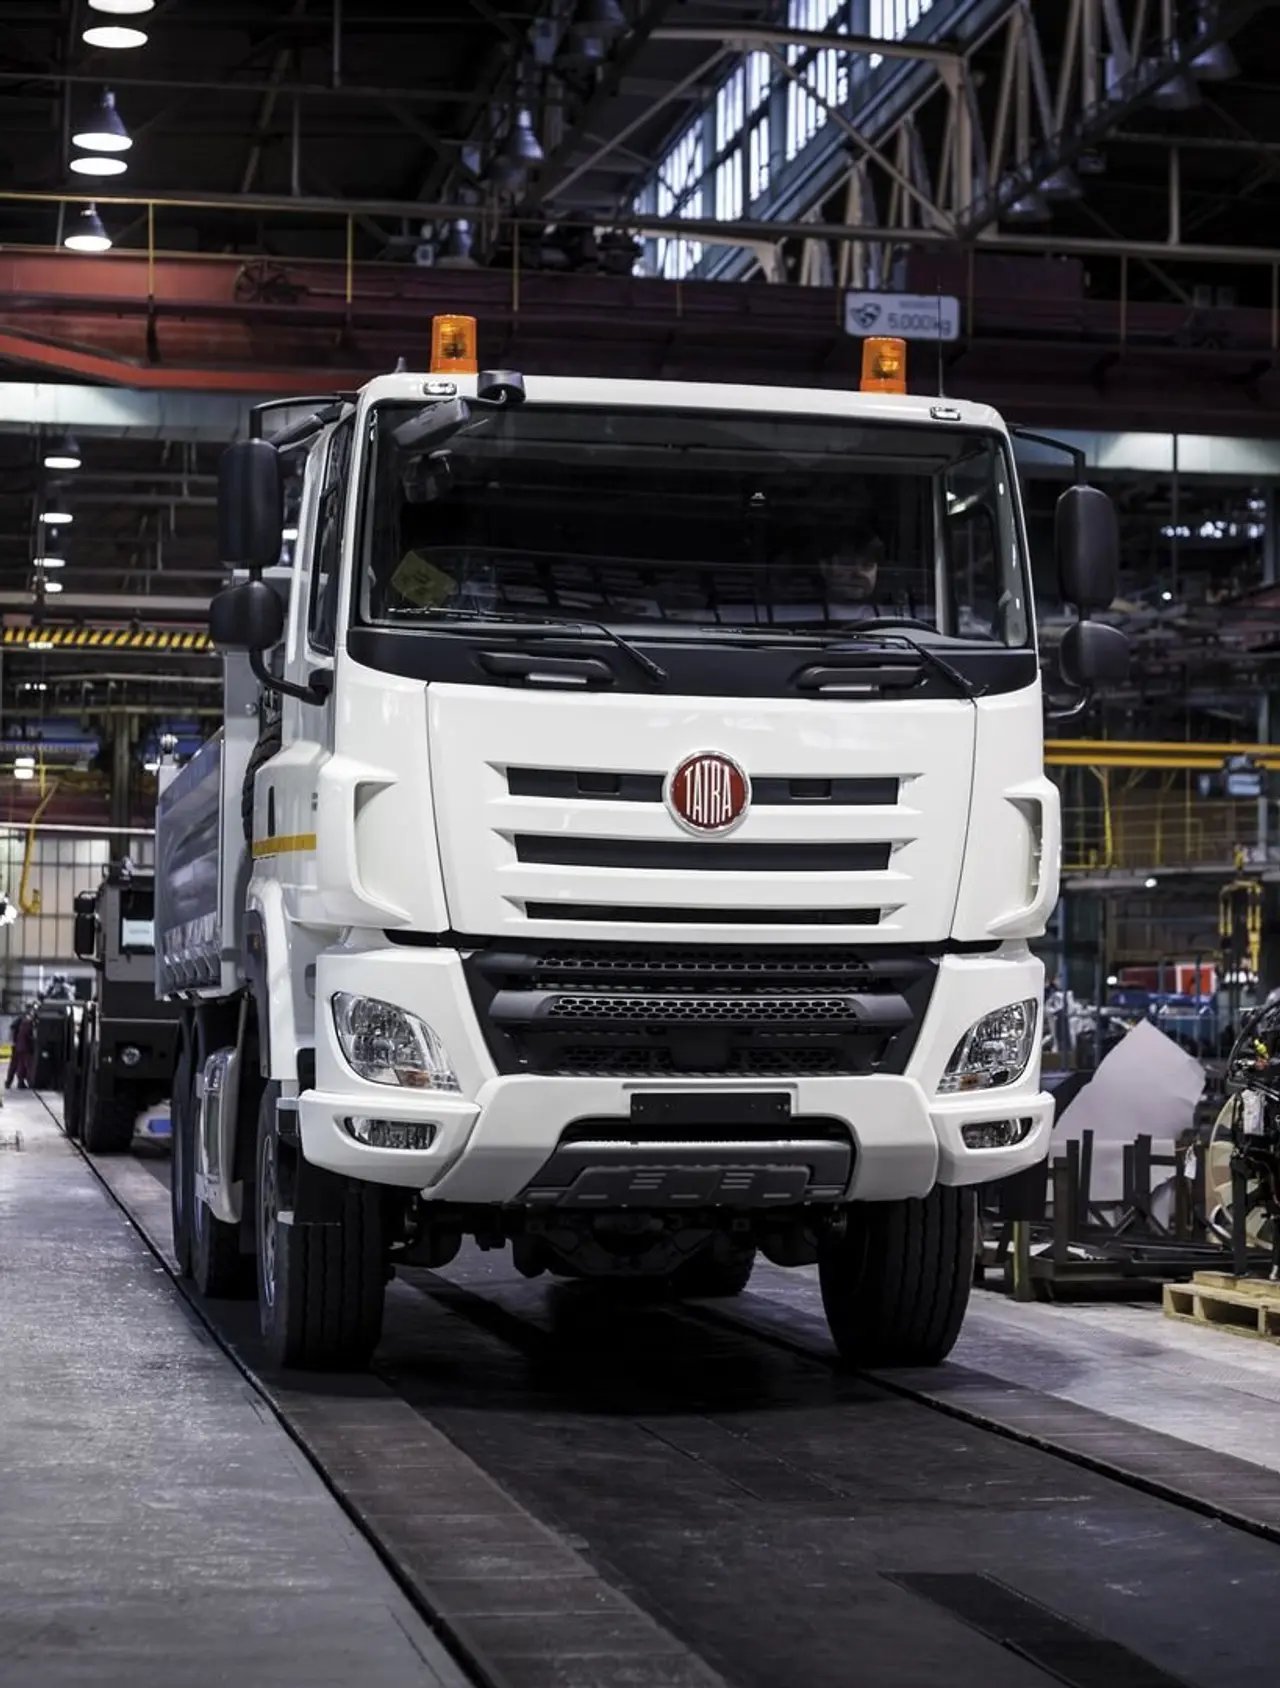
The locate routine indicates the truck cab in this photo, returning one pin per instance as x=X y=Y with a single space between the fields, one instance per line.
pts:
x=646 y=840
x=123 y=1054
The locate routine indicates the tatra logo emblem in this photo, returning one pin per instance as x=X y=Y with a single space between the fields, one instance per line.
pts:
x=708 y=793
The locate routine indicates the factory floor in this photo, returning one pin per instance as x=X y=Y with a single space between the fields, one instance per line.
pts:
x=530 y=1491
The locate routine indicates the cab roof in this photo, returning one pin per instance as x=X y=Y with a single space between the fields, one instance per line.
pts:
x=699 y=395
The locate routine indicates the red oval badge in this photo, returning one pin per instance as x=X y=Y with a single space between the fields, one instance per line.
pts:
x=708 y=793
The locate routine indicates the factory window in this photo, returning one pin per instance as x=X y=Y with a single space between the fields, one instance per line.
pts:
x=328 y=549
x=890 y=20
x=824 y=74
x=679 y=194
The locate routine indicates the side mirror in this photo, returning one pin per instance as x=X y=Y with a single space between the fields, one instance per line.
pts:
x=1092 y=655
x=84 y=937
x=246 y=617
x=250 y=505
x=1087 y=542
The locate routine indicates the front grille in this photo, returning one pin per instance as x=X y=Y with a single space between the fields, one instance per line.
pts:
x=669 y=1010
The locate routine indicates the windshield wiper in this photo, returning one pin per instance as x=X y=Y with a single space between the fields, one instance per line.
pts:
x=553 y=624
x=878 y=632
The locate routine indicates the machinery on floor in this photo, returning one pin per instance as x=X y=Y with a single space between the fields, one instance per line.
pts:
x=623 y=843
x=124 y=1050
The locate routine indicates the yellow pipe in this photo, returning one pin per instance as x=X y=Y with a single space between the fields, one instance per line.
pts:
x=28 y=901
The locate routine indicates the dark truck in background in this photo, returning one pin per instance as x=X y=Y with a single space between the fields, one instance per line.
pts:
x=122 y=1062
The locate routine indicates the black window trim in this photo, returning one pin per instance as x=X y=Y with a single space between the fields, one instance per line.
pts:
x=344 y=430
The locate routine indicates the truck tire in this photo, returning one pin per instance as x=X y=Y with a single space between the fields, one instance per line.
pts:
x=73 y=1089
x=895 y=1281
x=182 y=1150
x=320 y=1287
x=106 y=1121
x=707 y=1276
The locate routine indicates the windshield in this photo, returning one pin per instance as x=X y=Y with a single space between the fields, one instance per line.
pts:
x=675 y=519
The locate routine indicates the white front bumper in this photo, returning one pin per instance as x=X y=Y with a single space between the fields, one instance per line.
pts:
x=493 y=1137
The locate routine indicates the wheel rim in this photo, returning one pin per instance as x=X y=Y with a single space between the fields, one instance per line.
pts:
x=268 y=1221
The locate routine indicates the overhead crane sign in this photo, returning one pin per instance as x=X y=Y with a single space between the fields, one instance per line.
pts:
x=106 y=638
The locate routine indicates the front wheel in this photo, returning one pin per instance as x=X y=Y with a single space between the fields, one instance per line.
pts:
x=106 y=1120
x=896 y=1277
x=320 y=1286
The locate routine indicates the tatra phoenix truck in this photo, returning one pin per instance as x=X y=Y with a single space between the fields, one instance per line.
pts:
x=623 y=845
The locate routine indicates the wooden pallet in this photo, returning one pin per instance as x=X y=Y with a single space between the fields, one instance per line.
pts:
x=1250 y=1306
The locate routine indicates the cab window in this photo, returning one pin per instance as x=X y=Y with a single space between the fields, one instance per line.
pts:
x=328 y=548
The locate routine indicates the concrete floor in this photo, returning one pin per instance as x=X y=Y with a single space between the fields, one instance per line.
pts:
x=1209 y=1388
x=157 y=1525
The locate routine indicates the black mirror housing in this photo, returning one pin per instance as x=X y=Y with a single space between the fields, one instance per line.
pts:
x=1087 y=541
x=246 y=617
x=432 y=426
x=250 y=505
x=1093 y=654
x=84 y=937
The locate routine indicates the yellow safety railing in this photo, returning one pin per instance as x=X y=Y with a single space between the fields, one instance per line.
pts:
x=1150 y=818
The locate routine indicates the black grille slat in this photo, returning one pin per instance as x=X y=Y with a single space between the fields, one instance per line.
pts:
x=557 y=850
x=611 y=914
x=664 y=1010
x=768 y=791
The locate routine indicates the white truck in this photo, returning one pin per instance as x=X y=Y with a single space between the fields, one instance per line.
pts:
x=623 y=844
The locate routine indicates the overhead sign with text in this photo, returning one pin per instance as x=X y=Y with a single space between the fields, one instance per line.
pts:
x=906 y=316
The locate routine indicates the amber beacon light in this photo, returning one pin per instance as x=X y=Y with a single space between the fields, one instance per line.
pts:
x=453 y=345
x=884 y=366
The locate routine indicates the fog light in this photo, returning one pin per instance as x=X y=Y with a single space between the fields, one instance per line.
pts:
x=996 y=1133
x=391 y=1133
x=130 y=1055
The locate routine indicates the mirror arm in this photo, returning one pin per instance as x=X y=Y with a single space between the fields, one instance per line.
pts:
x=317 y=689
x=1074 y=452
x=1070 y=711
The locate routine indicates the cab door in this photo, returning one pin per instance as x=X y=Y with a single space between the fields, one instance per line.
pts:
x=286 y=797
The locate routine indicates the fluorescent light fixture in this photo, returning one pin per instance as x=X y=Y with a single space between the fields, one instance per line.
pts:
x=56 y=518
x=63 y=454
x=24 y=773
x=40 y=645
x=53 y=586
x=98 y=164
x=151 y=765
x=122 y=8
x=24 y=761
x=87 y=234
x=48 y=562
x=103 y=130
x=115 y=36
x=289 y=533
x=1149 y=884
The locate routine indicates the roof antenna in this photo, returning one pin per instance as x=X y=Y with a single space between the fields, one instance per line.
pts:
x=402 y=367
x=941 y=383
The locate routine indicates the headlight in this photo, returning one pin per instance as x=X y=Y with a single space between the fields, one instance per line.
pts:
x=389 y=1045
x=994 y=1051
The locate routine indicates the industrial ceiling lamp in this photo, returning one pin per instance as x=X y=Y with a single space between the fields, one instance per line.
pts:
x=98 y=164
x=519 y=153
x=116 y=37
x=456 y=252
x=1180 y=92
x=86 y=233
x=1214 y=62
x=1061 y=186
x=122 y=8
x=596 y=26
x=64 y=454
x=103 y=130
x=1029 y=207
